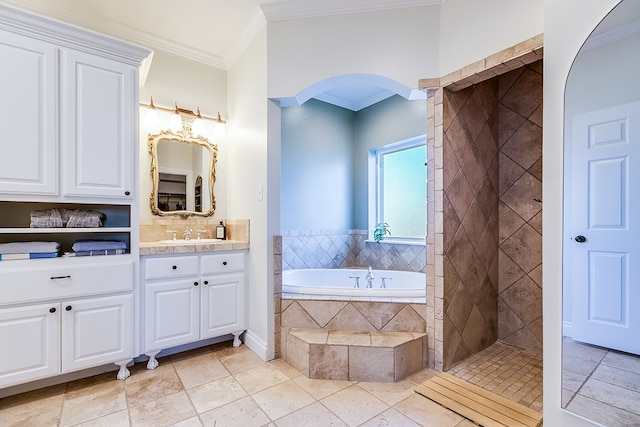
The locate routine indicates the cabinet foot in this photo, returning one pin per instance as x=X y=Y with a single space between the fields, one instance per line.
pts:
x=152 y=363
x=236 y=339
x=123 y=373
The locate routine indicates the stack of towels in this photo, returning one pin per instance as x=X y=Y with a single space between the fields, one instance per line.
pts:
x=99 y=247
x=69 y=218
x=28 y=250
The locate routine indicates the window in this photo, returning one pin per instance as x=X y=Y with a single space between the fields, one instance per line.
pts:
x=398 y=188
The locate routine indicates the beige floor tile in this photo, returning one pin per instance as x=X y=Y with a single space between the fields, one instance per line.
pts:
x=390 y=417
x=215 y=394
x=190 y=422
x=354 y=405
x=622 y=361
x=389 y=393
x=200 y=369
x=152 y=386
x=241 y=413
x=288 y=370
x=241 y=360
x=611 y=394
x=261 y=377
x=320 y=389
x=165 y=411
x=95 y=401
x=39 y=407
x=611 y=375
x=117 y=419
x=421 y=376
x=602 y=413
x=427 y=413
x=312 y=415
x=282 y=399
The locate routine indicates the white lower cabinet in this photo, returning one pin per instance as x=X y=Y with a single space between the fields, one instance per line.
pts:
x=188 y=298
x=49 y=339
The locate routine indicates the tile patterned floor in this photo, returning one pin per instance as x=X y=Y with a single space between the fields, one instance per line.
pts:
x=601 y=384
x=223 y=386
x=507 y=371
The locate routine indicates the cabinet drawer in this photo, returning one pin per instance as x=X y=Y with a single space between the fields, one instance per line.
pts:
x=169 y=267
x=223 y=263
x=49 y=283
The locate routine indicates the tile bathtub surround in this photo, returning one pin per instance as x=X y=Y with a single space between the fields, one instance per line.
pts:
x=354 y=355
x=353 y=315
x=153 y=230
x=347 y=248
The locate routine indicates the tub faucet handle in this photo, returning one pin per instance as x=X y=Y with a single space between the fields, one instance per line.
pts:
x=369 y=278
x=384 y=281
x=173 y=237
x=357 y=283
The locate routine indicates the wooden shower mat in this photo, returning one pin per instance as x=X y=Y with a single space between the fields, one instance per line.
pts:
x=477 y=404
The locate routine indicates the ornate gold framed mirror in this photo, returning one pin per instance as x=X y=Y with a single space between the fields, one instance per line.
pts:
x=183 y=174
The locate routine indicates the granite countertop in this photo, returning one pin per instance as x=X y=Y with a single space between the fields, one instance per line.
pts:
x=158 y=248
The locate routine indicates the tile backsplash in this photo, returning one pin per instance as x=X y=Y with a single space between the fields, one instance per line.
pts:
x=347 y=248
x=153 y=230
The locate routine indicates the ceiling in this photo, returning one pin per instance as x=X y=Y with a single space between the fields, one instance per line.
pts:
x=214 y=32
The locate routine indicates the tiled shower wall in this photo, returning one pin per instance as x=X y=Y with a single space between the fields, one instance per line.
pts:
x=520 y=245
x=492 y=226
x=349 y=248
x=470 y=227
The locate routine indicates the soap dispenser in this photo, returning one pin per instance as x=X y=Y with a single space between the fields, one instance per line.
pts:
x=221 y=232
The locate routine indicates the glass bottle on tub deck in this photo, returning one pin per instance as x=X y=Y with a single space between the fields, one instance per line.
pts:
x=221 y=232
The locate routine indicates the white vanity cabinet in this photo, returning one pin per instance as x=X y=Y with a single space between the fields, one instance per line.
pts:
x=192 y=297
x=70 y=105
x=53 y=338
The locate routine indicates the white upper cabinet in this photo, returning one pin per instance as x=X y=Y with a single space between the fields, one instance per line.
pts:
x=97 y=135
x=69 y=102
x=28 y=76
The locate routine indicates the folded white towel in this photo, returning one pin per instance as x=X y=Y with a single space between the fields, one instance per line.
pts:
x=28 y=247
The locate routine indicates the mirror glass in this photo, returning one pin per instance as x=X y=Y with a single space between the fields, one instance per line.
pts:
x=601 y=283
x=183 y=174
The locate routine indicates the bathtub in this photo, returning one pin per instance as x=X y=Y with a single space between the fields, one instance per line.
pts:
x=339 y=283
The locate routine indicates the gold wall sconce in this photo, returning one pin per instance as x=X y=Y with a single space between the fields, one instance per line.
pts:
x=178 y=115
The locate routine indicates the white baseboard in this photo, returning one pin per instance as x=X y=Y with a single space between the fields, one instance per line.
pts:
x=257 y=345
x=566 y=329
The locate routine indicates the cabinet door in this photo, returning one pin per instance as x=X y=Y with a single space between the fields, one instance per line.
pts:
x=96 y=331
x=28 y=84
x=171 y=313
x=30 y=343
x=222 y=304
x=98 y=128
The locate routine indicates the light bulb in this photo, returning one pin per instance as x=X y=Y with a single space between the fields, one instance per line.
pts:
x=151 y=117
x=175 y=123
x=198 y=124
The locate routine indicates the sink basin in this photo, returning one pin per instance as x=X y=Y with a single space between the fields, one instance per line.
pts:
x=188 y=242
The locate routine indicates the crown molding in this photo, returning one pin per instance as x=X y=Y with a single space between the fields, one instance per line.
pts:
x=257 y=23
x=598 y=40
x=286 y=10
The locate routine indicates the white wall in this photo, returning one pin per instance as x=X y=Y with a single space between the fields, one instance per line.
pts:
x=398 y=44
x=249 y=160
x=191 y=84
x=471 y=30
x=567 y=25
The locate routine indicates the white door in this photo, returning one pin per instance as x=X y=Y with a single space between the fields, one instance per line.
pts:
x=98 y=137
x=30 y=343
x=604 y=228
x=28 y=88
x=96 y=331
x=222 y=305
x=171 y=313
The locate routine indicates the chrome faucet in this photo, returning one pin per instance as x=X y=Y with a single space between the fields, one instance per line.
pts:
x=187 y=233
x=357 y=283
x=384 y=281
x=369 y=278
